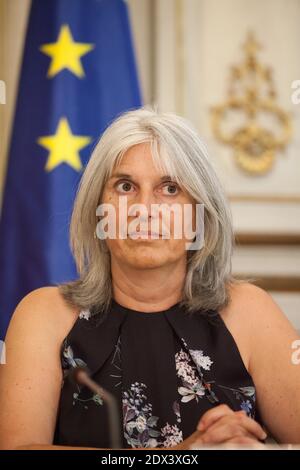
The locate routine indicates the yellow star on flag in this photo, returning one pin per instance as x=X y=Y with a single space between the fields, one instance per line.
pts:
x=66 y=53
x=64 y=146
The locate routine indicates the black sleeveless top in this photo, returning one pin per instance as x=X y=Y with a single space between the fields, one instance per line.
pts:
x=165 y=369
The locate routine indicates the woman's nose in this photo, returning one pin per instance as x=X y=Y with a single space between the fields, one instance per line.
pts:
x=146 y=198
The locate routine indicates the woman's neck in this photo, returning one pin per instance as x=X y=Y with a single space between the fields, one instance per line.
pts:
x=151 y=290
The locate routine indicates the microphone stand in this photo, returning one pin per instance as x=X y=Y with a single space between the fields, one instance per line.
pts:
x=81 y=377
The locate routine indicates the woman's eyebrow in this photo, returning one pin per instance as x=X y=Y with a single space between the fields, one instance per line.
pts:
x=126 y=175
x=121 y=175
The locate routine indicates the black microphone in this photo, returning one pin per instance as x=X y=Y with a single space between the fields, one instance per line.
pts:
x=81 y=376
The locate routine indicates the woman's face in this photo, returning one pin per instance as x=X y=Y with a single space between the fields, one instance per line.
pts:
x=138 y=181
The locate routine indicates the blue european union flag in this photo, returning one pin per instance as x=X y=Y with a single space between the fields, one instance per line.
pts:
x=78 y=74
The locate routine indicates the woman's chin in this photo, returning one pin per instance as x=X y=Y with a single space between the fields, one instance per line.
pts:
x=146 y=258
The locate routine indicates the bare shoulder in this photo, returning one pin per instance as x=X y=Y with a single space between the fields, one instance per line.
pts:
x=252 y=307
x=253 y=317
x=32 y=375
x=244 y=291
x=45 y=308
x=267 y=341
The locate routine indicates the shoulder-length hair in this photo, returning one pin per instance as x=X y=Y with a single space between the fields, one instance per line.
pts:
x=177 y=149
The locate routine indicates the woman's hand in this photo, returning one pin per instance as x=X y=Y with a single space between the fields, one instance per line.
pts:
x=221 y=425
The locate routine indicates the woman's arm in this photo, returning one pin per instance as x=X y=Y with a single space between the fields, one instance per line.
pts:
x=270 y=342
x=30 y=381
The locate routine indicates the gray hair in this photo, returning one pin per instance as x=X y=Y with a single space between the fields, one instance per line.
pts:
x=176 y=148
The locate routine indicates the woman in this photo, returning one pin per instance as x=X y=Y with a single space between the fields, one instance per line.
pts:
x=193 y=356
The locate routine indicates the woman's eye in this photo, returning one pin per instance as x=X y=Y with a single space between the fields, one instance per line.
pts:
x=170 y=189
x=124 y=187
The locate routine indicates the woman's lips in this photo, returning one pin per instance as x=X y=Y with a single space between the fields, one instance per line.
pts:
x=145 y=234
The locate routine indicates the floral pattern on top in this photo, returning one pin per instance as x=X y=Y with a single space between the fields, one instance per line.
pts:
x=192 y=387
x=141 y=426
x=70 y=362
x=246 y=397
x=85 y=315
x=190 y=364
